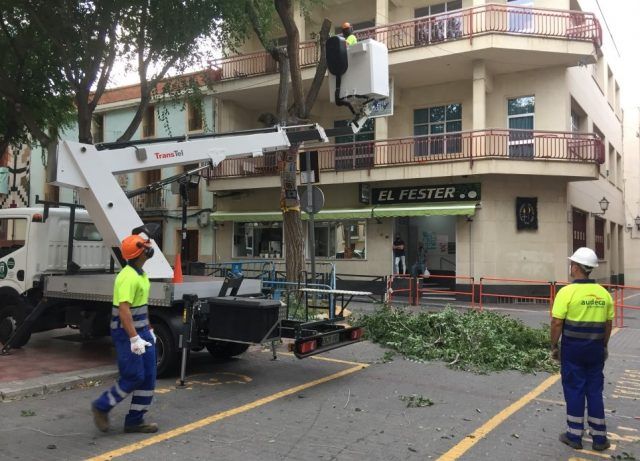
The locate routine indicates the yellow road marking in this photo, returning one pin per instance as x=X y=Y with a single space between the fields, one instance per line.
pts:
x=319 y=357
x=222 y=415
x=469 y=441
x=616 y=396
x=630 y=429
x=597 y=453
x=462 y=447
x=555 y=402
x=634 y=389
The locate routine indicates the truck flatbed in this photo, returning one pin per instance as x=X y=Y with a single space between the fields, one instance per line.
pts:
x=99 y=287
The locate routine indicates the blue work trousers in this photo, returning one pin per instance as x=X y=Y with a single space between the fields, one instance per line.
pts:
x=582 y=362
x=137 y=377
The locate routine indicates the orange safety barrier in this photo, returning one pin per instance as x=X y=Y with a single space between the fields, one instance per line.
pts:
x=470 y=293
x=483 y=290
x=391 y=290
x=620 y=300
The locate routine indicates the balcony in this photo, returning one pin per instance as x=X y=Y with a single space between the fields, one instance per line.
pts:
x=464 y=24
x=553 y=148
x=150 y=202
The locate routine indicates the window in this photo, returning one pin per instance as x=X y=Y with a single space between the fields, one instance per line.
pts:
x=193 y=189
x=599 y=233
x=439 y=28
x=195 y=116
x=97 y=128
x=438 y=122
x=340 y=239
x=149 y=122
x=579 y=219
x=13 y=233
x=355 y=156
x=86 y=232
x=257 y=239
x=520 y=19
x=520 y=119
x=611 y=172
x=619 y=173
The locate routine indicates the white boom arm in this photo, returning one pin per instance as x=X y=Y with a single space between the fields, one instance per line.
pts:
x=91 y=172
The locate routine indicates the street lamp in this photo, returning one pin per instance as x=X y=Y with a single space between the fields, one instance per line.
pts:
x=604 y=206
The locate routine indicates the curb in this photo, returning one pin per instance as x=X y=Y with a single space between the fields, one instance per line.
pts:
x=58 y=382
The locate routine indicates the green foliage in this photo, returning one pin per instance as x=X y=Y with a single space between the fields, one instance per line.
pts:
x=26 y=413
x=416 y=401
x=480 y=342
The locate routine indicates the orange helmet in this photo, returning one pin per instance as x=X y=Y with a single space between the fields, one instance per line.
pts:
x=134 y=245
x=346 y=25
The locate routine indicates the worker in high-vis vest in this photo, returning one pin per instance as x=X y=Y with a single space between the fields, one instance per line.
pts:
x=582 y=315
x=347 y=33
x=134 y=341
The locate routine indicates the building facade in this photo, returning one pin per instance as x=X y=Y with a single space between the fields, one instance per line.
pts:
x=502 y=135
x=506 y=135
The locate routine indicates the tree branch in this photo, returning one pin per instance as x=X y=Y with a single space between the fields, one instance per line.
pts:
x=285 y=12
x=321 y=69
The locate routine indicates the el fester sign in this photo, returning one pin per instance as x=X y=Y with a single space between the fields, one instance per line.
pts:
x=426 y=194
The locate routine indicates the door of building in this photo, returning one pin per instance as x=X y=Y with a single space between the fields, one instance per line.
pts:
x=579 y=229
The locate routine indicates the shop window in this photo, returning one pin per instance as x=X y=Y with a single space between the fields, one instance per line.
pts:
x=195 y=116
x=599 y=234
x=13 y=233
x=579 y=219
x=97 y=128
x=149 y=122
x=340 y=239
x=440 y=27
x=442 y=124
x=354 y=152
x=520 y=114
x=257 y=240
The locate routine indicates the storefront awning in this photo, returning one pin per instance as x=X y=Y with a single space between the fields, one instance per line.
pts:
x=440 y=209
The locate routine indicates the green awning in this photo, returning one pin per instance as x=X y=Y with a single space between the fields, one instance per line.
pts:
x=439 y=209
x=246 y=216
x=433 y=209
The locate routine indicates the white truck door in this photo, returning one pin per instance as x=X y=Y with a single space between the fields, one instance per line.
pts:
x=13 y=251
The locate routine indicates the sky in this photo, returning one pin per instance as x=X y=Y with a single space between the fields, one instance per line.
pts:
x=622 y=20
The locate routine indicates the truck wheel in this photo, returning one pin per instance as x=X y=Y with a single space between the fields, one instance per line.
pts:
x=225 y=350
x=11 y=316
x=167 y=352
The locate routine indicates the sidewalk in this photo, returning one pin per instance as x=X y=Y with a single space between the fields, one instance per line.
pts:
x=54 y=361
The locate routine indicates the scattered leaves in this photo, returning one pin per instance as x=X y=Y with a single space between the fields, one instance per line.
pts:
x=624 y=456
x=481 y=342
x=27 y=413
x=416 y=401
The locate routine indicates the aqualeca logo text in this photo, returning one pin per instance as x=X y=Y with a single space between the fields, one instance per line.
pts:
x=165 y=155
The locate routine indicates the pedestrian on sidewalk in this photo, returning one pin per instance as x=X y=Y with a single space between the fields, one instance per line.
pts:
x=134 y=341
x=582 y=315
x=399 y=255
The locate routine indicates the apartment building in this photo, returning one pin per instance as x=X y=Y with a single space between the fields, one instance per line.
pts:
x=504 y=139
x=162 y=119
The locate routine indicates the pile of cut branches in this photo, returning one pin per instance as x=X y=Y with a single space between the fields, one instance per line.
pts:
x=480 y=342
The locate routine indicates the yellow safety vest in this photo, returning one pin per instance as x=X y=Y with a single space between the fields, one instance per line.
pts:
x=585 y=307
x=131 y=287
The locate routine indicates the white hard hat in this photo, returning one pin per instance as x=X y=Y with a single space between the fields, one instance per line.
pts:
x=585 y=256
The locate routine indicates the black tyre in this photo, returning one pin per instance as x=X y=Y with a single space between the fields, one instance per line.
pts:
x=167 y=352
x=12 y=314
x=225 y=350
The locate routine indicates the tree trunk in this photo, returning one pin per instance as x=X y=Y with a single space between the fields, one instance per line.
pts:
x=137 y=118
x=285 y=11
x=84 y=119
x=290 y=205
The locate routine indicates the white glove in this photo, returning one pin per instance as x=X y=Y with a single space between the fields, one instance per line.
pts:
x=138 y=345
x=153 y=335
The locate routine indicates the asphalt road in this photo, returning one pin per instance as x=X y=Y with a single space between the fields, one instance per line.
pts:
x=344 y=405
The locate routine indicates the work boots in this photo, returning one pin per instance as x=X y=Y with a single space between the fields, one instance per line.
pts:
x=144 y=428
x=100 y=418
x=564 y=438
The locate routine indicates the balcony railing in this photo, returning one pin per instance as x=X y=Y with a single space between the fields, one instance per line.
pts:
x=431 y=30
x=452 y=147
x=156 y=200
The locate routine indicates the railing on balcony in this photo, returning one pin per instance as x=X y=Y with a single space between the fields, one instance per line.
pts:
x=156 y=200
x=430 y=30
x=461 y=146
